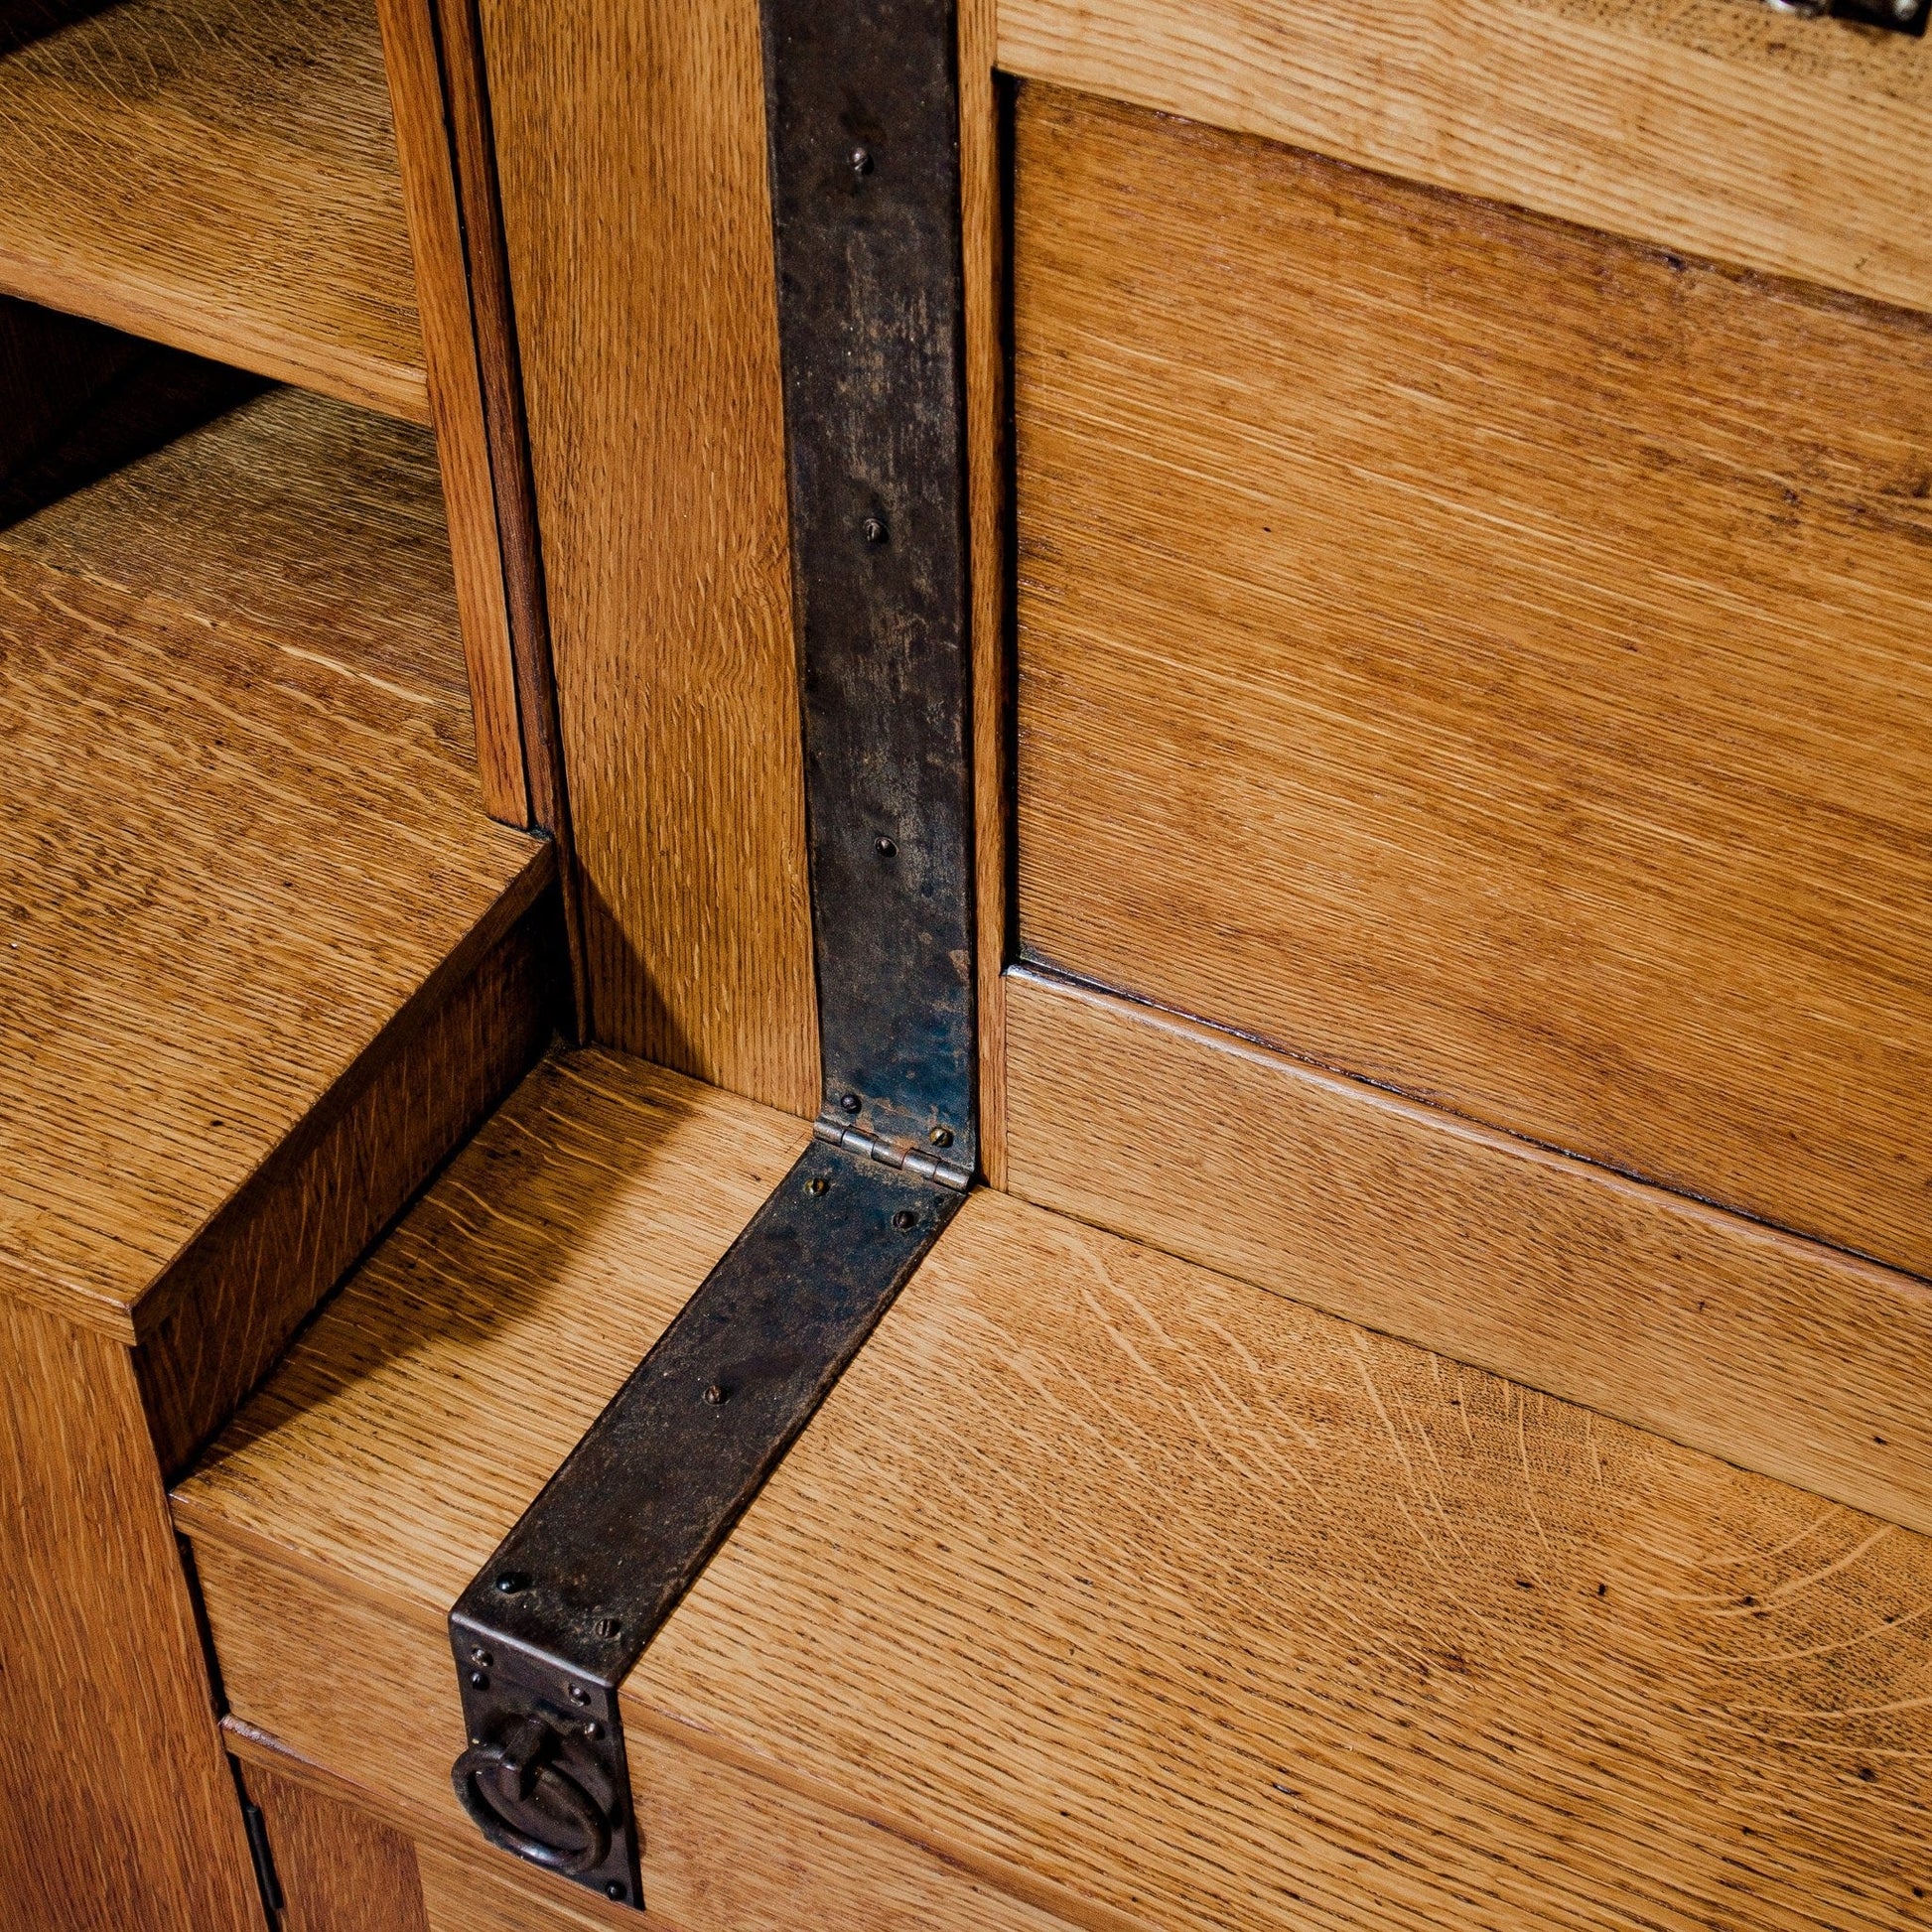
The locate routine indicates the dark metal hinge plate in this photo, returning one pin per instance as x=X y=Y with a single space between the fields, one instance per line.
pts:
x=550 y=1628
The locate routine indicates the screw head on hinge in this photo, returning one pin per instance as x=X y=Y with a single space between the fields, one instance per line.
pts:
x=904 y=1219
x=818 y=1184
x=1904 y=11
x=513 y=1583
x=849 y=1102
x=861 y=159
x=940 y=1137
x=888 y=847
x=873 y=529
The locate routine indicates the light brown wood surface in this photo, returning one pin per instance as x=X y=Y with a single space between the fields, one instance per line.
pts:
x=983 y=231
x=1130 y=1592
x=456 y=395
x=243 y=830
x=472 y=149
x=1483 y=657
x=219 y=175
x=293 y=517
x=1783 y=1356
x=211 y=1323
x=728 y=1850
x=631 y=148
x=340 y=1869
x=1719 y=127
x=116 y=1806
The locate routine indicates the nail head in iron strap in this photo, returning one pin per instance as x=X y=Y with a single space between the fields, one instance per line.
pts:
x=553 y=1623
x=863 y=132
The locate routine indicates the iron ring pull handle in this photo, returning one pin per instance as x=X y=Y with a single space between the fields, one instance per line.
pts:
x=515 y=1771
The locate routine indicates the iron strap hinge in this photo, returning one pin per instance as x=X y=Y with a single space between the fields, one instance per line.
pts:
x=864 y=139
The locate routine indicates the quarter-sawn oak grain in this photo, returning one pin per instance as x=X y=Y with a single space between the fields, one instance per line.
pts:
x=117 y=1808
x=631 y=146
x=244 y=833
x=452 y=351
x=1139 y=1595
x=1780 y=1354
x=1718 y=126
x=1481 y=656
x=219 y=175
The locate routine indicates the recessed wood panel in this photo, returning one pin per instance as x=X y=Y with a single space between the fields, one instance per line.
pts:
x=1728 y=127
x=1103 y=1590
x=1482 y=656
x=219 y=175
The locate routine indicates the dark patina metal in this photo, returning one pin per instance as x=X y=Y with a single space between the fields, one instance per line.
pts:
x=864 y=126
x=553 y=1623
x=863 y=123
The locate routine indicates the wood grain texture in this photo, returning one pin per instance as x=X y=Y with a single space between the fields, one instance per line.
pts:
x=631 y=145
x=983 y=231
x=1483 y=657
x=456 y=395
x=361 y=1684
x=242 y=837
x=218 y=175
x=293 y=519
x=1718 y=126
x=215 y=1320
x=472 y=142
x=340 y=1869
x=1783 y=1356
x=117 y=1808
x=1132 y=1594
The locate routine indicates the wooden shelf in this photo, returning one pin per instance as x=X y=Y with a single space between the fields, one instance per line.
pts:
x=1104 y=1590
x=248 y=878
x=219 y=175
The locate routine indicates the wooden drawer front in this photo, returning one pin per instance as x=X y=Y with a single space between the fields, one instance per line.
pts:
x=1480 y=656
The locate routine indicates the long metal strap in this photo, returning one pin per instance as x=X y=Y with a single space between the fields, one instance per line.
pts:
x=863 y=130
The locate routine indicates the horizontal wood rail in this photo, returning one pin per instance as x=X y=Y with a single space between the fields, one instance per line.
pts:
x=1718 y=126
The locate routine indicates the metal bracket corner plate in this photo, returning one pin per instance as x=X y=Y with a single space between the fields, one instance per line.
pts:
x=863 y=132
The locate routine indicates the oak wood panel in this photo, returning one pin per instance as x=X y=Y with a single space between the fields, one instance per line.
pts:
x=1481 y=656
x=472 y=146
x=361 y=1684
x=339 y=1869
x=1136 y=1594
x=630 y=147
x=456 y=395
x=117 y=1808
x=219 y=175
x=234 y=850
x=218 y=1316
x=1718 y=126
x=1784 y=1355
x=293 y=517
x=983 y=232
